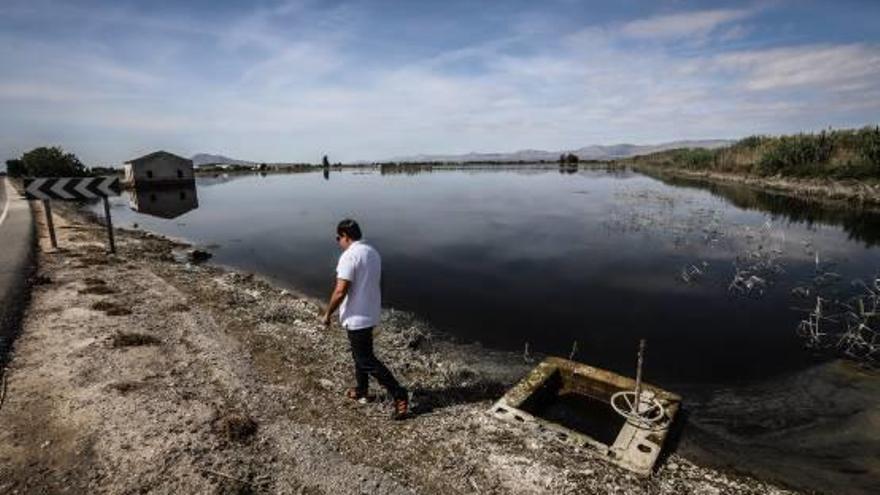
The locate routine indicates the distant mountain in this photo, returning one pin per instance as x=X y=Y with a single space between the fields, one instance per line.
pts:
x=594 y=152
x=200 y=159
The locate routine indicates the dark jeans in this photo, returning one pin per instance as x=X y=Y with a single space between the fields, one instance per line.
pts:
x=366 y=363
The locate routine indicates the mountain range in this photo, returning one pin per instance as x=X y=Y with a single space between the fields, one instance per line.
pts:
x=200 y=159
x=594 y=152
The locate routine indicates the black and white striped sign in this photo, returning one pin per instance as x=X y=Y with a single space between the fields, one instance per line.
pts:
x=71 y=188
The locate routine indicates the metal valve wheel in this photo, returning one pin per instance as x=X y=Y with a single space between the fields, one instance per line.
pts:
x=644 y=413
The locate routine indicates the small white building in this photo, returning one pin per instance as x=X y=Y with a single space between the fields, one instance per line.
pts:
x=159 y=168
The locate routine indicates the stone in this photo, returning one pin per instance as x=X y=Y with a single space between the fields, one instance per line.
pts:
x=198 y=256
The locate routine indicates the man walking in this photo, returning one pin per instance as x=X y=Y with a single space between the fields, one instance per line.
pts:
x=358 y=296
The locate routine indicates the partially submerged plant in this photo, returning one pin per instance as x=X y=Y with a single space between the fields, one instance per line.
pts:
x=758 y=266
x=693 y=273
x=847 y=326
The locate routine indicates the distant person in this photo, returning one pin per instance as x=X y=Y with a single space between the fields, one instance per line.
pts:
x=359 y=299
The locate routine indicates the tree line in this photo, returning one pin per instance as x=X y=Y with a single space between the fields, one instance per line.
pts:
x=52 y=162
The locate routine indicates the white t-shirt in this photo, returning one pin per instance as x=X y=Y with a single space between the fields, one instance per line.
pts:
x=361 y=265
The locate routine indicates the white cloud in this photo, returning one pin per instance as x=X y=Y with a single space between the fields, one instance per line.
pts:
x=29 y=91
x=293 y=65
x=295 y=93
x=829 y=67
x=682 y=25
x=735 y=32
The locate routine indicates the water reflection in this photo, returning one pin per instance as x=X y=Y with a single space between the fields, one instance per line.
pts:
x=405 y=168
x=166 y=202
x=526 y=254
x=860 y=224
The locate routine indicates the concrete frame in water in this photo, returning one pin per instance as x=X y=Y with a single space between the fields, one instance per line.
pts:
x=635 y=447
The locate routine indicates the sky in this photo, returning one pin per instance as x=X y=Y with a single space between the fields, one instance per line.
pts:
x=290 y=81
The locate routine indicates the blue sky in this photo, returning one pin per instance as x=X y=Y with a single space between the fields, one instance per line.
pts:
x=364 y=80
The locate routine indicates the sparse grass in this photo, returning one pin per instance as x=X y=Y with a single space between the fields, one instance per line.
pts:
x=131 y=339
x=95 y=260
x=280 y=312
x=97 y=289
x=179 y=308
x=126 y=386
x=236 y=427
x=111 y=308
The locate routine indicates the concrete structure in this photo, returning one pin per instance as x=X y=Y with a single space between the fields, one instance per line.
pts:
x=159 y=169
x=572 y=402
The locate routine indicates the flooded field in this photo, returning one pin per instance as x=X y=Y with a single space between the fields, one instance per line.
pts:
x=592 y=260
x=584 y=264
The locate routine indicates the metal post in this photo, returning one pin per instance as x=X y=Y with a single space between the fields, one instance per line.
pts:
x=638 y=405
x=50 y=224
x=109 y=225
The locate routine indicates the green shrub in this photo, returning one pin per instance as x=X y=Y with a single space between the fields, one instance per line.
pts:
x=841 y=154
x=869 y=146
x=52 y=162
x=751 y=142
x=15 y=167
x=694 y=158
x=801 y=154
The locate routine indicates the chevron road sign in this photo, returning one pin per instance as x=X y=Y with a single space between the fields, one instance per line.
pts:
x=71 y=188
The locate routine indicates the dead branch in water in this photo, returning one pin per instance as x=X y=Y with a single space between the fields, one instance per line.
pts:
x=847 y=326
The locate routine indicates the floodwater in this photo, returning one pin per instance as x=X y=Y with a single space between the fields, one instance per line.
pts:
x=715 y=278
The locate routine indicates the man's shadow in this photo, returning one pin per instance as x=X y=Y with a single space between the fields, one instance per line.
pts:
x=427 y=400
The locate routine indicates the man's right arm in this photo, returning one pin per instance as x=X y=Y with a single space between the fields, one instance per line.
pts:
x=344 y=276
x=336 y=298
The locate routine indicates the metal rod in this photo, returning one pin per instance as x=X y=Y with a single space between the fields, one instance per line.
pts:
x=50 y=223
x=109 y=225
x=639 y=377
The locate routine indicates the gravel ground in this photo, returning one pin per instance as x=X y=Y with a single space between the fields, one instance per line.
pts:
x=136 y=373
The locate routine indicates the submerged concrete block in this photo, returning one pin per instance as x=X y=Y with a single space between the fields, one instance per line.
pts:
x=572 y=402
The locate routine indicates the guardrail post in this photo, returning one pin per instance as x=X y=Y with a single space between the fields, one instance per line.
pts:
x=50 y=223
x=109 y=225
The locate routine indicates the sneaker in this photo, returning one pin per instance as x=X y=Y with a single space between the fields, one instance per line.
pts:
x=357 y=396
x=401 y=409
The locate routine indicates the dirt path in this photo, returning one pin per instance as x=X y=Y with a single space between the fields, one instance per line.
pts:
x=136 y=373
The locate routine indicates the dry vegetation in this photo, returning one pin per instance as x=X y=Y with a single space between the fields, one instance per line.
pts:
x=838 y=154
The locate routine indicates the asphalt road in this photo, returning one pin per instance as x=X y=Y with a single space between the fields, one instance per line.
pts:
x=2 y=197
x=17 y=250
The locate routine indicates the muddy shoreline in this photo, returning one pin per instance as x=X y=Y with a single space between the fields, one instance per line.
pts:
x=136 y=373
x=862 y=195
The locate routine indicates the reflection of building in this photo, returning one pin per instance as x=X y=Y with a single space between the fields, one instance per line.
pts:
x=159 y=168
x=165 y=202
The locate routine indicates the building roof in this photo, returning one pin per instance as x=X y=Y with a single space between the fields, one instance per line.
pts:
x=157 y=154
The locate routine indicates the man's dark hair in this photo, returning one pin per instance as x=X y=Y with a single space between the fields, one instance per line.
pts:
x=350 y=229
